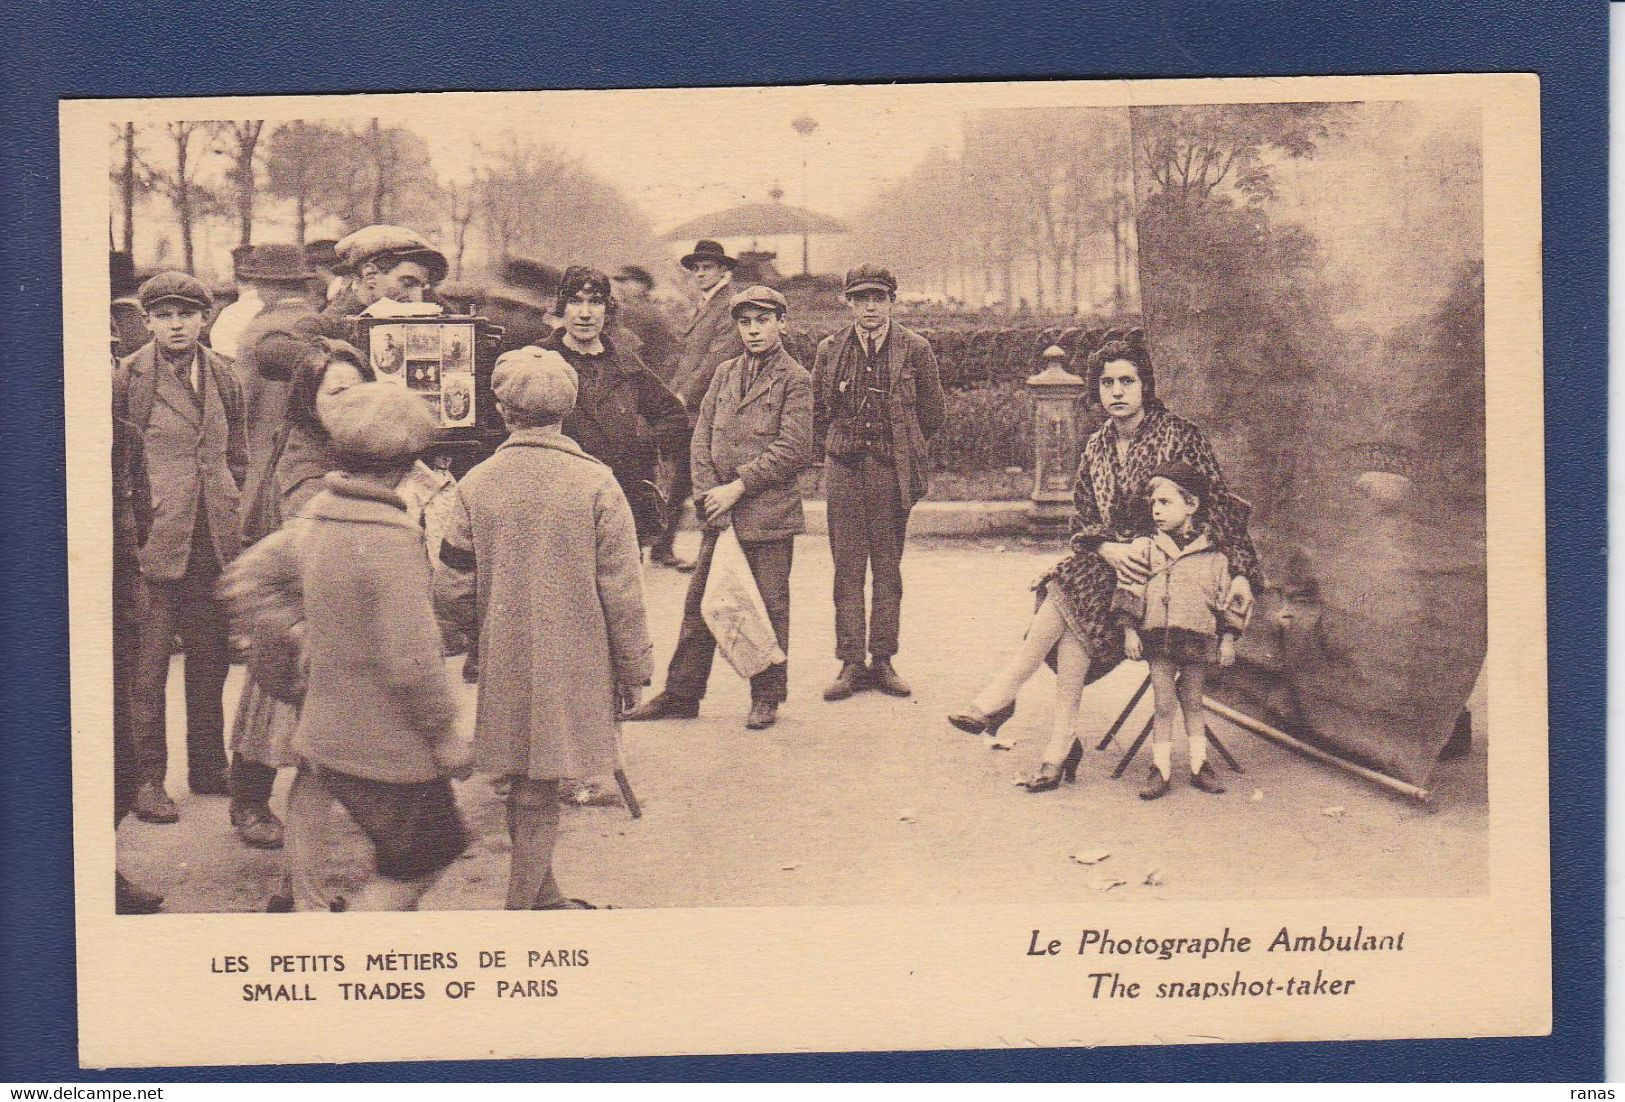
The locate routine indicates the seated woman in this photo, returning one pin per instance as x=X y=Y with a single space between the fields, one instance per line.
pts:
x=1074 y=619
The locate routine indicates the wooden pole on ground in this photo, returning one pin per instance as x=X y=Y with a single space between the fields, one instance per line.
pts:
x=1264 y=730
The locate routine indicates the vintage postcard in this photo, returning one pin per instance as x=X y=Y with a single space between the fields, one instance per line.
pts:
x=1118 y=507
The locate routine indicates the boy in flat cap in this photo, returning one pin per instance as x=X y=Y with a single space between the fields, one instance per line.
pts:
x=877 y=400
x=378 y=722
x=185 y=405
x=710 y=339
x=752 y=441
x=541 y=556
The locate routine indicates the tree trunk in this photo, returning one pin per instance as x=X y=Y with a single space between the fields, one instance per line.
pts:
x=299 y=217
x=127 y=188
x=1118 y=265
x=247 y=142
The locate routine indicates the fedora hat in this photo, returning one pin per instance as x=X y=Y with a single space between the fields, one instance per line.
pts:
x=275 y=264
x=708 y=250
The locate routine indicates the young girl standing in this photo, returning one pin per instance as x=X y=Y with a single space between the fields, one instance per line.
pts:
x=1179 y=620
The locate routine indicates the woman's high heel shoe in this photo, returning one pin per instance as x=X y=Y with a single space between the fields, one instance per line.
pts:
x=972 y=721
x=1049 y=776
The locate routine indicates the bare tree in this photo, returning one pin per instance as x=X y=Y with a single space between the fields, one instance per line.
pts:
x=176 y=176
x=460 y=208
x=1189 y=151
x=128 y=179
x=239 y=141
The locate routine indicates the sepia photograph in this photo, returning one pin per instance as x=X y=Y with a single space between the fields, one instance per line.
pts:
x=1112 y=460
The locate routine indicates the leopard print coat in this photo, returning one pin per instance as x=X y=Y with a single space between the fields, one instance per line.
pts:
x=1109 y=499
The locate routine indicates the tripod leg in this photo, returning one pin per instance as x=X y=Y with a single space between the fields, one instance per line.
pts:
x=1132 y=750
x=1225 y=754
x=1133 y=702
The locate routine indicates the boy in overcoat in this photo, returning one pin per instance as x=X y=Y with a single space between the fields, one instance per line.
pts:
x=378 y=722
x=751 y=443
x=541 y=555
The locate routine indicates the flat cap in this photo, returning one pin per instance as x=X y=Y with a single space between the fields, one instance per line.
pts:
x=535 y=380
x=390 y=243
x=870 y=277
x=175 y=287
x=379 y=422
x=758 y=295
x=324 y=252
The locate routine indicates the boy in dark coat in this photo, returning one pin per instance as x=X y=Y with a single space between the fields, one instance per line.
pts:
x=752 y=441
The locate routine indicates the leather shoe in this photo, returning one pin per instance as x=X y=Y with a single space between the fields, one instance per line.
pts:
x=763 y=714
x=853 y=678
x=131 y=900
x=1156 y=785
x=667 y=558
x=1207 y=780
x=884 y=678
x=257 y=825
x=153 y=805
x=216 y=782
x=662 y=706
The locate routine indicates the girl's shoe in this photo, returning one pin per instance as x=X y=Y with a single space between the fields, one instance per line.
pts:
x=1156 y=785
x=973 y=721
x=1207 y=780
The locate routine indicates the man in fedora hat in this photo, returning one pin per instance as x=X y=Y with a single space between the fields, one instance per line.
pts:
x=269 y=351
x=326 y=277
x=385 y=262
x=710 y=339
x=751 y=443
x=185 y=406
x=235 y=315
x=877 y=400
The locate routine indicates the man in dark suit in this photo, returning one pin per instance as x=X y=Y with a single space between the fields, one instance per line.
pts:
x=877 y=400
x=186 y=405
x=752 y=441
x=710 y=339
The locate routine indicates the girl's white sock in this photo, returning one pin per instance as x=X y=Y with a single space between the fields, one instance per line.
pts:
x=1198 y=753
x=1162 y=753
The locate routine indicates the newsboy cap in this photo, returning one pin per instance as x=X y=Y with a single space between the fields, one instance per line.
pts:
x=870 y=277
x=379 y=423
x=175 y=287
x=535 y=380
x=758 y=295
x=390 y=243
x=324 y=252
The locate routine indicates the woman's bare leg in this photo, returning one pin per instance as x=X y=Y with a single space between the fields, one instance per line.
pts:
x=1046 y=629
x=1071 y=671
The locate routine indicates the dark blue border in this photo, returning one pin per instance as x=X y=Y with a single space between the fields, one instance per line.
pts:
x=53 y=48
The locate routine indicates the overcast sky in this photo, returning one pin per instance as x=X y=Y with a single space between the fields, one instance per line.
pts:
x=682 y=154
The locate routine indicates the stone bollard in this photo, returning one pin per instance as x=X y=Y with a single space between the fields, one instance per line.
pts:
x=1056 y=440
